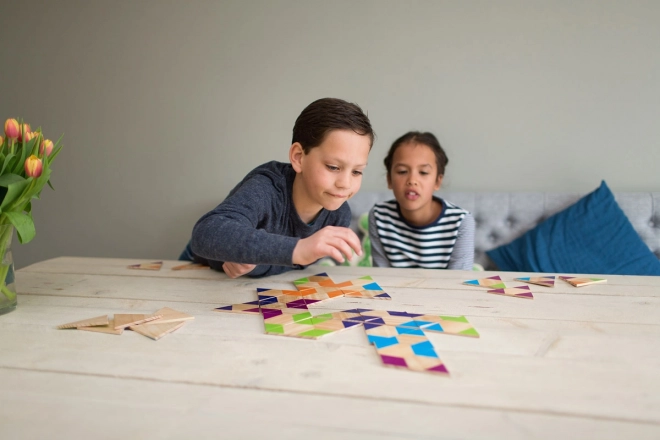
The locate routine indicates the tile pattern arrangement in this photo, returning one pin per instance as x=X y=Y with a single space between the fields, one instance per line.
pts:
x=399 y=337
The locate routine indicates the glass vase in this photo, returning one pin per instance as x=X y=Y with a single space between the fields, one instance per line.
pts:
x=7 y=286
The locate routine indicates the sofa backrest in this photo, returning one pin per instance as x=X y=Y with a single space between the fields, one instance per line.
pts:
x=504 y=216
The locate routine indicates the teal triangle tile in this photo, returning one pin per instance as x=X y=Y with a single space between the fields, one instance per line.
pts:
x=372 y=286
x=382 y=341
x=409 y=331
x=435 y=327
x=424 y=349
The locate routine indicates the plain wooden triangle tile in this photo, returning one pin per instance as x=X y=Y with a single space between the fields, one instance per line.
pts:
x=110 y=328
x=156 y=265
x=99 y=320
x=123 y=320
x=191 y=266
x=171 y=315
x=157 y=331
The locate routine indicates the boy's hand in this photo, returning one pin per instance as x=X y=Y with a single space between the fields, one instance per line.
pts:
x=331 y=241
x=235 y=270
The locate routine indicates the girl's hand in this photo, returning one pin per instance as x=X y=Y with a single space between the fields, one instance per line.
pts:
x=331 y=241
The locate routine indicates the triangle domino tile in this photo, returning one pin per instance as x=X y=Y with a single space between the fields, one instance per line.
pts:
x=99 y=320
x=157 y=331
x=156 y=265
x=109 y=329
x=494 y=282
x=517 y=292
x=171 y=315
x=124 y=320
x=547 y=281
x=579 y=282
x=190 y=266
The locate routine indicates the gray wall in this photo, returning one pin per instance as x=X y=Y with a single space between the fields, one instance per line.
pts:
x=165 y=105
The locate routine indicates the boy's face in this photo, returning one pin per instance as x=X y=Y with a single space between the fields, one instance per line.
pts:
x=329 y=174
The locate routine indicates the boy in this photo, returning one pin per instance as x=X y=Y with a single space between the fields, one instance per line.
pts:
x=284 y=216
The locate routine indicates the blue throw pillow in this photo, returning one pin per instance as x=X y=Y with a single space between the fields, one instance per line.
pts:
x=593 y=236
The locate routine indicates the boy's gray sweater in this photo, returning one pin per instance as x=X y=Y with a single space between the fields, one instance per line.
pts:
x=258 y=224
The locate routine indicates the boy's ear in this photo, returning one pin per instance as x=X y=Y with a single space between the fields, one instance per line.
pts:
x=438 y=182
x=296 y=154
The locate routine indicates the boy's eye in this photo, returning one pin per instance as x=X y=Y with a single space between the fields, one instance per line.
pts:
x=357 y=173
x=423 y=173
x=332 y=168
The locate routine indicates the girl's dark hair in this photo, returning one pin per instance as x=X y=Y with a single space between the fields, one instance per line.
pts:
x=417 y=137
x=327 y=114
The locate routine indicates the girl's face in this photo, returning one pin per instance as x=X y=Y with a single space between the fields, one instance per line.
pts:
x=413 y=179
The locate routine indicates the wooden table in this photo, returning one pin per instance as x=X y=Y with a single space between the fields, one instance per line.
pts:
x=572 y=363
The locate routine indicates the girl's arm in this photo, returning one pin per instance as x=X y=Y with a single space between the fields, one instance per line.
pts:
x=378 y=257
x=462 y=257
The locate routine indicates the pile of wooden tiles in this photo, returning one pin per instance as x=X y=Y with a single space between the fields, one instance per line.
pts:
x=154 y=326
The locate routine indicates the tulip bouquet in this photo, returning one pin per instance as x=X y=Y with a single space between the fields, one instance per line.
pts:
x=25 y=160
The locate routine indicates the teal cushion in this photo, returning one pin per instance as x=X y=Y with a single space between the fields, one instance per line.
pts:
x=593 y=236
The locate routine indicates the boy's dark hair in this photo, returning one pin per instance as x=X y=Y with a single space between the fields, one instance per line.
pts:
x=327 y=114
x=417 y=137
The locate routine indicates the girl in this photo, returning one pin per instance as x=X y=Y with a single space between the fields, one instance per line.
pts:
x=418 y=229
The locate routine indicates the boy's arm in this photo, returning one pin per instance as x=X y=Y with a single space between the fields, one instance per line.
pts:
x=462 y=257
x=378 y=257
x=229 y=232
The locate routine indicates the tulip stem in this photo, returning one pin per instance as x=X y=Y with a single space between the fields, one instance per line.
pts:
x=6 y=232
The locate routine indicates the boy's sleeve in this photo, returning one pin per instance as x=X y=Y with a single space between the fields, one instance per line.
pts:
x=378 y=257
x=230 y=232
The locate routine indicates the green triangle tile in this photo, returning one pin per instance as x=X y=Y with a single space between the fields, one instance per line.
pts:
x=274 y=328
x=455 y=318
x=318 y=319
x=301 y=316
x=469 y=332
x=301 y=281
x=314 y=333
x=366 y=278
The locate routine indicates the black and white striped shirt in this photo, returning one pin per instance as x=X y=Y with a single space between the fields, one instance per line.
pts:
x=446 y=243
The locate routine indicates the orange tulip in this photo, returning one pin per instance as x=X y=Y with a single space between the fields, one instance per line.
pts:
x=33 y=166
x=46 y=144
x=11 y=129
x=25 y=128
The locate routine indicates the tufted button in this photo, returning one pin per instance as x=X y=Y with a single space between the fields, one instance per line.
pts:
x=492 y=237
x=652 y=223
x=509 y=222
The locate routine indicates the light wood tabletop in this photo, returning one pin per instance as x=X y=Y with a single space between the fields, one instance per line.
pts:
x=571 y=363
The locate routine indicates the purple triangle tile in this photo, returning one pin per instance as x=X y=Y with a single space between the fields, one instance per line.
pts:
x=393 y=360
x=527 y=294
x=439 y=368
x=225 y=308
x=496 y=291
x=269 y=313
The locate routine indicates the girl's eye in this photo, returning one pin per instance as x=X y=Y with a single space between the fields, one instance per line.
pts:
x=423 y=173
x=401 y=171
x=357 y=173
x=332 y=168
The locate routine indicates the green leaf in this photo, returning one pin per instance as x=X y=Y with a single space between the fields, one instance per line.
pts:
x=24 y=225
x=8 y=179
x=6 y=162
x=14 y=190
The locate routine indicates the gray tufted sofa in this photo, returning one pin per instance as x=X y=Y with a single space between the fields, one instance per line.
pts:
x=502 y=217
